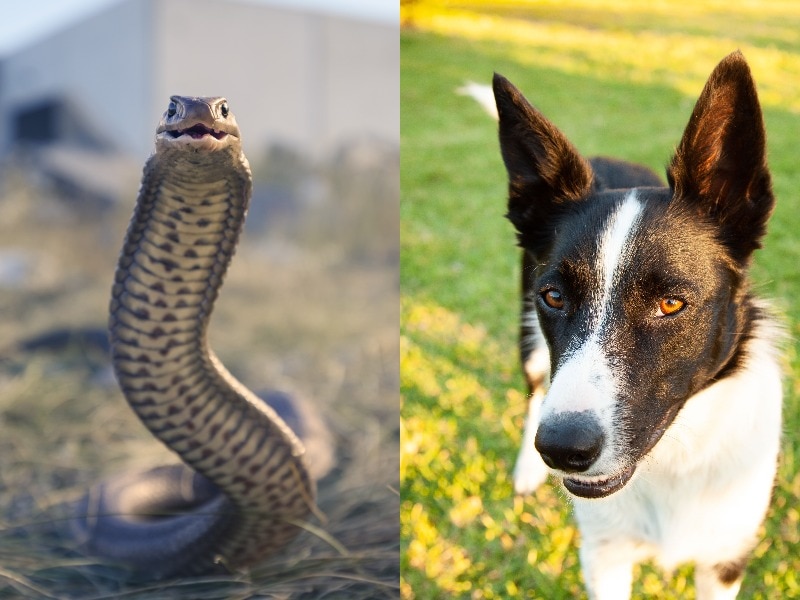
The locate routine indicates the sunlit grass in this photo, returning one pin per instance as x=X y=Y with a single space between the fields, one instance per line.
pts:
x=601 y=39
x=457 y=438
x=619 y=78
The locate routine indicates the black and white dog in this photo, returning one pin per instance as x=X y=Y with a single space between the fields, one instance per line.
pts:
x=663 y=414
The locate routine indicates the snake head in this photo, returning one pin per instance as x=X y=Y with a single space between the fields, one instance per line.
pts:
x=204 y=123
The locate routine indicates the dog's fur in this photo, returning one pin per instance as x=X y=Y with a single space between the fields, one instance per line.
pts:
x=662 y=418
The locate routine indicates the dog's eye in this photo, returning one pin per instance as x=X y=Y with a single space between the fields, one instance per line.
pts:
x=553 y=299
x=669 y=306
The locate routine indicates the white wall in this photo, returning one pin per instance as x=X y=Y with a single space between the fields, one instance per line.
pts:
x=100 y=67
x=294 y=76
x=290 y=76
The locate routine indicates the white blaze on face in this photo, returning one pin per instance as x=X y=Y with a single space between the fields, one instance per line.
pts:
x=613 y=249
x=584 y=379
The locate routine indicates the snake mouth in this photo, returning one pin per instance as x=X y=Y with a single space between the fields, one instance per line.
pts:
x=197 y=132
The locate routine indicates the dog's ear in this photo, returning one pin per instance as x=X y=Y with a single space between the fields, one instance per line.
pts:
x=720 y=166
x=545 y=172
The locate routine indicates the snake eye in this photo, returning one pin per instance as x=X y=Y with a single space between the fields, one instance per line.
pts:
x=554 y=299
x=669 y=306
x=172 y=108
x=223 y=109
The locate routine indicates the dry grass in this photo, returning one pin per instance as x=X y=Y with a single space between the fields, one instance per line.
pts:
x=312 y=313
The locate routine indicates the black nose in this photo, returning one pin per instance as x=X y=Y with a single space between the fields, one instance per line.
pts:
x=570 y=442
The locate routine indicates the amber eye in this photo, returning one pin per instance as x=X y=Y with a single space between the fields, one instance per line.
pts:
x=553 y=299
x=669 y=306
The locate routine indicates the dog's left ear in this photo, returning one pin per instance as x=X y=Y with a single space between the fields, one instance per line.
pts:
x=720 y=166
x=546 y=174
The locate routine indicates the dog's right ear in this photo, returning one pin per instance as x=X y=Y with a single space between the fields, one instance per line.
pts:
x=720 y=167
x=545 y=172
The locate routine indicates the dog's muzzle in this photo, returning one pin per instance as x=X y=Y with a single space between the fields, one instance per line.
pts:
x=571 y=443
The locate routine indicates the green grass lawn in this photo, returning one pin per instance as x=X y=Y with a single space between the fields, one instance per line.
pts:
x=620 y=81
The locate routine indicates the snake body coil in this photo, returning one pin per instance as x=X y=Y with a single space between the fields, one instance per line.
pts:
x=250 y=487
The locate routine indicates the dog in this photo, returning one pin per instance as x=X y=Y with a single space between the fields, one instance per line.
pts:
x=662 y=419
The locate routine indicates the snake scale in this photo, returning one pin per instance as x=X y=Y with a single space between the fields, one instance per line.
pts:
x=248 y=490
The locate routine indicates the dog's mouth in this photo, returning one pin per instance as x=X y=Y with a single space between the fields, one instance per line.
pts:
x=596 y=487
x=602 y=486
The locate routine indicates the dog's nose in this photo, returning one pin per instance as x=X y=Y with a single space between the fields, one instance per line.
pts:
x=570 y=442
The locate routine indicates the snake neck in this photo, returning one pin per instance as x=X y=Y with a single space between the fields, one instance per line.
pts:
x=179 y=244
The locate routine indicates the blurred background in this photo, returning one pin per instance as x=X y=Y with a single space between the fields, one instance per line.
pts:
x=310 y=302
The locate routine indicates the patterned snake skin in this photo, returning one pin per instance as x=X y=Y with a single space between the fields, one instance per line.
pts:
x=249 y=489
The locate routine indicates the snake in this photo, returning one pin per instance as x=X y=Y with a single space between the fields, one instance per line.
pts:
x=245 y=489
